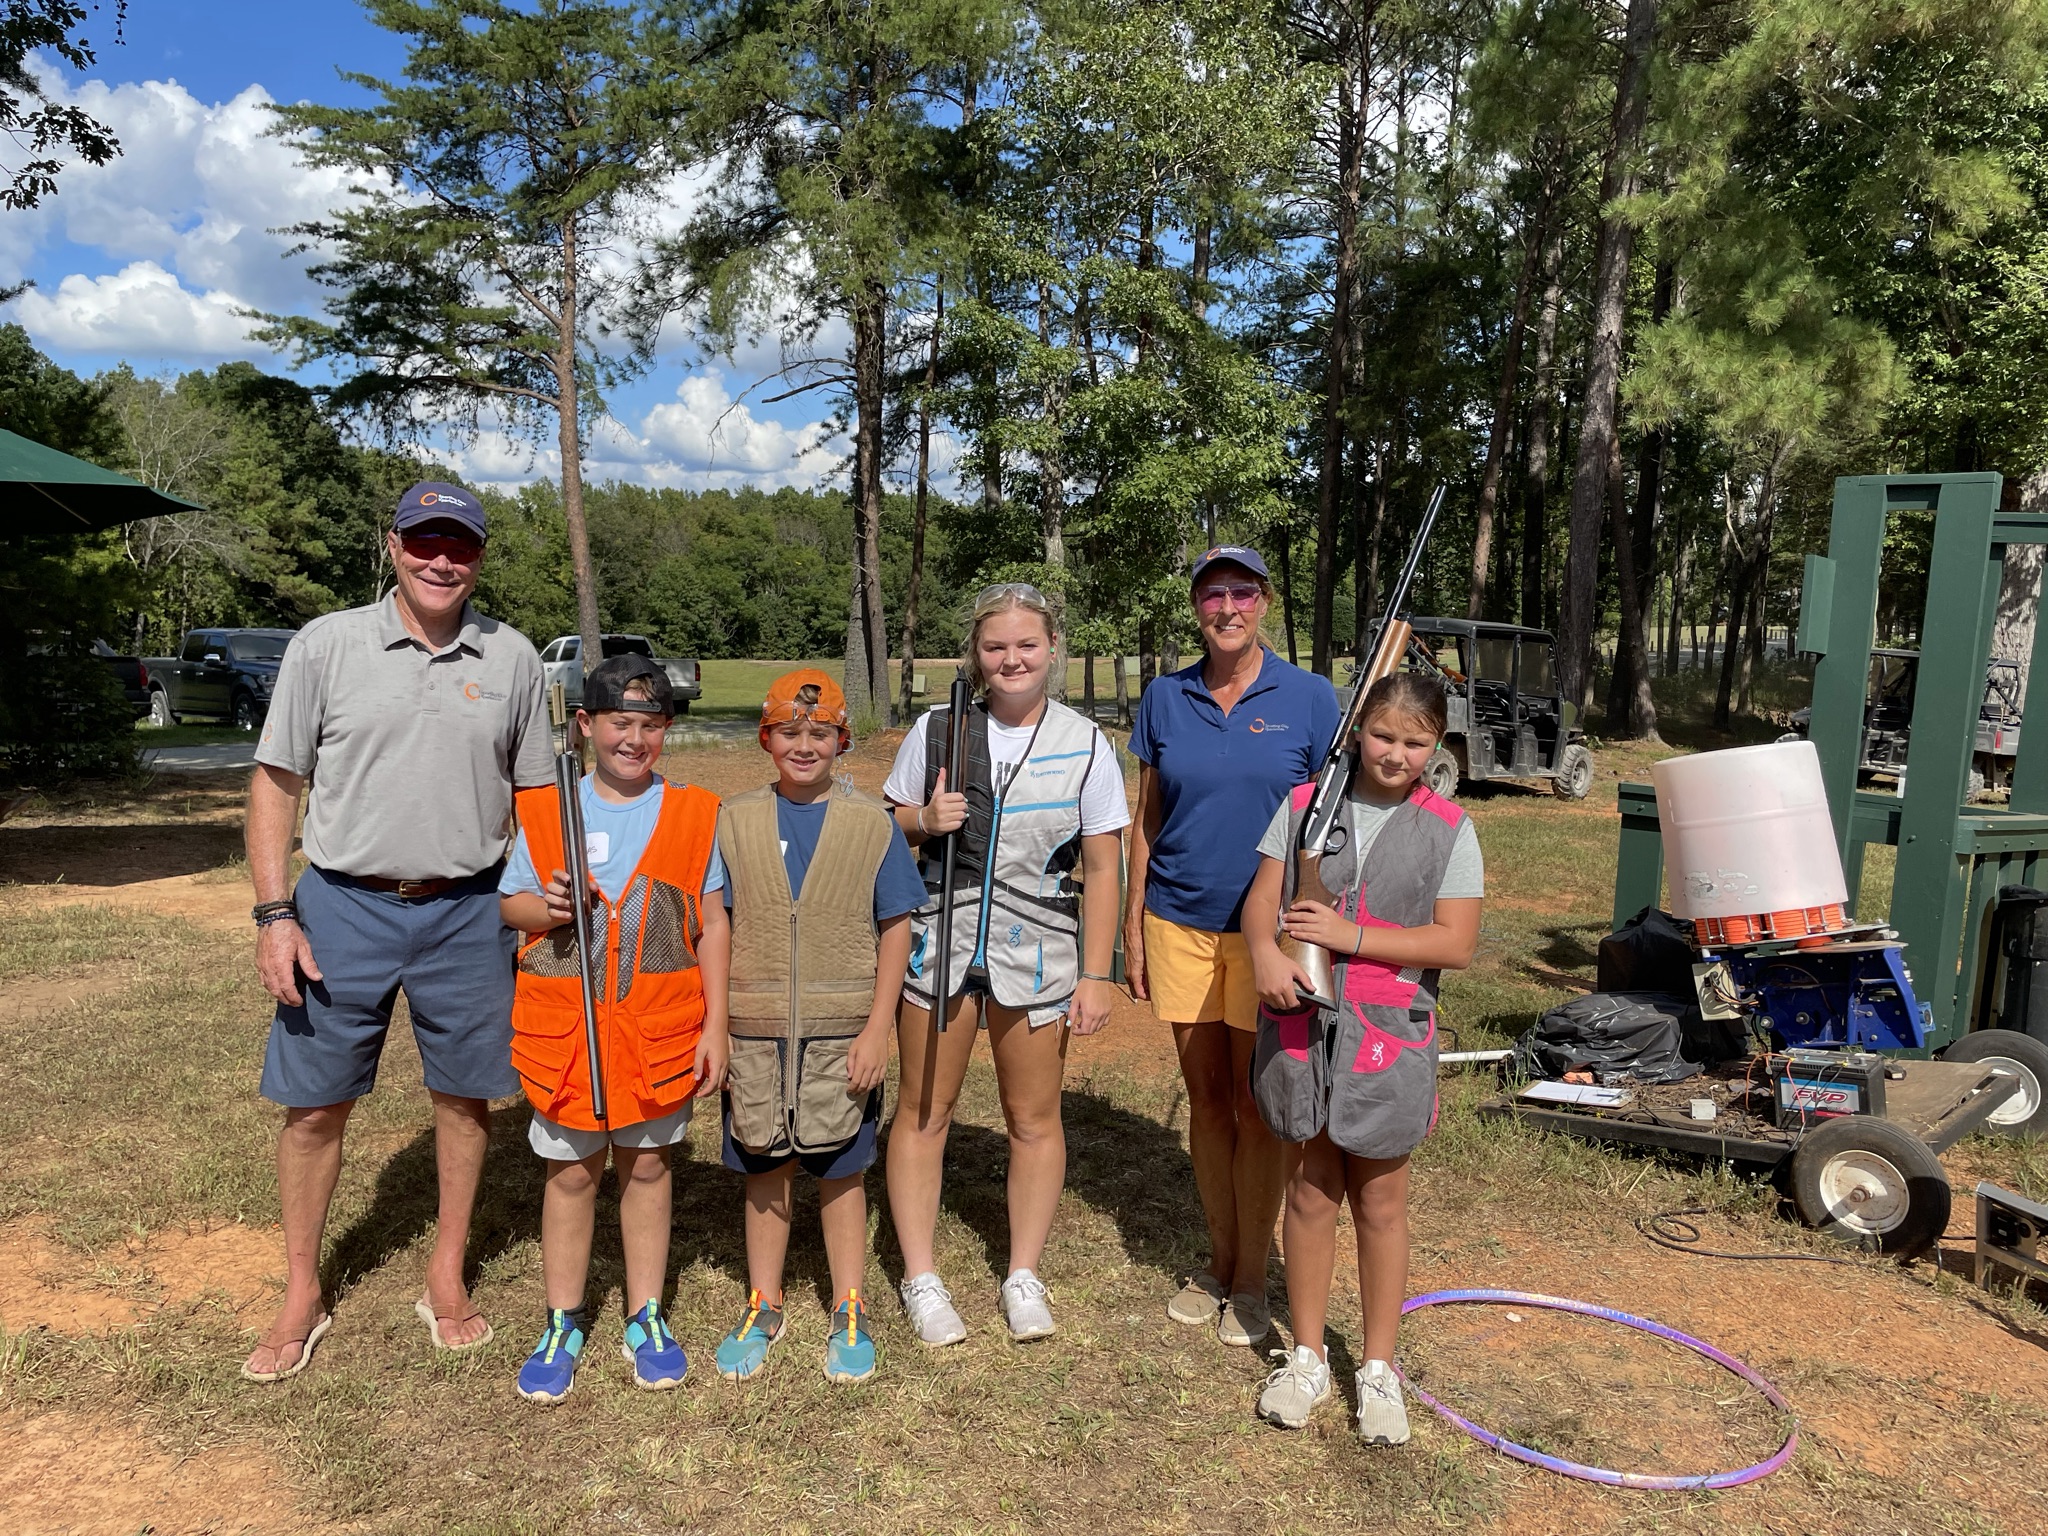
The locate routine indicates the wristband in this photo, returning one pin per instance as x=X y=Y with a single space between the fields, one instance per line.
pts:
x=923 y=830
x=267 y=912
x=1358 y=941
x=1096 y=976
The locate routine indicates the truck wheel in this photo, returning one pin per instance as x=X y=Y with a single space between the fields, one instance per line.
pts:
x=1574 y=772
x=160 y=714
x=682 y=706
x=1440 y=773
x=2025 y=1114
x=245 y=712
x=1872 y=1184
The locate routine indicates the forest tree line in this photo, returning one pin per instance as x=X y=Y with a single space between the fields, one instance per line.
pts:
x=1637 y=280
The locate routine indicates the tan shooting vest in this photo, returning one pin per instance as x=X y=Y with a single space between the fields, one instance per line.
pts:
x=803 y=970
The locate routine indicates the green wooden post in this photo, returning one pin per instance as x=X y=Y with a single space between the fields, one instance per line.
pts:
x=1855 y=554
x=2030 y=772
x=1639 y=868
x=1931 y=887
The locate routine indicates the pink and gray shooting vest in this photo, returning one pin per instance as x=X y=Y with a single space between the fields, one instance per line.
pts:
x=1365 y=1070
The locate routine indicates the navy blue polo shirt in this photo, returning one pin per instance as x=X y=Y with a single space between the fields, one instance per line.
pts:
x=1221 y=777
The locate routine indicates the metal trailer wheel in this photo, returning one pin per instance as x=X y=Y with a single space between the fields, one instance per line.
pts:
x=245 y=712
x=1440 y=773
x=1871 y=1184
x=2025 y=1114
x=160 y=714
x=1574 y=772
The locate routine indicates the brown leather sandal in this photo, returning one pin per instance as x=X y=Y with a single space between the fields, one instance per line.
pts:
x=434 y=1317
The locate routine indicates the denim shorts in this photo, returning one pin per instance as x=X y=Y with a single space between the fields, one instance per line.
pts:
x=452 y=956
x=855 y=1156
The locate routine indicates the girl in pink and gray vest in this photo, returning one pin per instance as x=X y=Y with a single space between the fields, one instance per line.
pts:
x=1352 y=1090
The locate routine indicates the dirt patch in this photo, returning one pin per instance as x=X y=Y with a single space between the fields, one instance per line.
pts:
x=44 y=1284
x=67 y=1474
x=114 y=855
x=24 y=1002
x=203 y=898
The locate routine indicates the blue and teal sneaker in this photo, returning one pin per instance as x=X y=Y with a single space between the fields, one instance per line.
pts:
x=849 y=1352
x=658 y=1360
x=745 y=1350
x=550 y=1371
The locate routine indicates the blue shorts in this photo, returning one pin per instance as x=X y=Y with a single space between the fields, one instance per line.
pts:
x=452 y=955
x=855 y=1156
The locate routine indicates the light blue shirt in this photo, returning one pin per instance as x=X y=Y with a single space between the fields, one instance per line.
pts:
x=615 y=835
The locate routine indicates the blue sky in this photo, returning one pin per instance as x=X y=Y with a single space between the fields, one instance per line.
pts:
x=146 y=261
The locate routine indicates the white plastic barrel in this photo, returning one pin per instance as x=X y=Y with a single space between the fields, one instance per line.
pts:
x=1746 y=831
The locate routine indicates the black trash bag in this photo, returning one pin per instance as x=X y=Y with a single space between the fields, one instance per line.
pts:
x=1637 y=1034
x=1651 y=952
x=1711 y=1041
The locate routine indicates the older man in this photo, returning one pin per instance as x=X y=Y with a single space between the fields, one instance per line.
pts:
x=413 y=720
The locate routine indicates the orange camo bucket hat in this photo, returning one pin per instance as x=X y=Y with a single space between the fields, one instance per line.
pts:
x=786 y=701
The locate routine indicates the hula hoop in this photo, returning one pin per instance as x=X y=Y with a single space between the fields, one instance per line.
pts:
x=1612 y=1479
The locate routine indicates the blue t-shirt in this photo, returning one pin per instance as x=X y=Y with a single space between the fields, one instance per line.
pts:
x=899 y=888
x=615 y=834
x=1220 y=779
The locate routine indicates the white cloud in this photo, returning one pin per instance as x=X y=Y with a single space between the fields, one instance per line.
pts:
x=141 y=312
x=703 y=428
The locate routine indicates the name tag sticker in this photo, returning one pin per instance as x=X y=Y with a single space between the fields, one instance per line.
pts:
x=597 y=846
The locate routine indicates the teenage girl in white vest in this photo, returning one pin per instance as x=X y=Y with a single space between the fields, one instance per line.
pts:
x=1043 y=787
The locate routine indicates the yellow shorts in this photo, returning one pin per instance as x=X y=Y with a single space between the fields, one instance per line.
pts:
x=1197 y=977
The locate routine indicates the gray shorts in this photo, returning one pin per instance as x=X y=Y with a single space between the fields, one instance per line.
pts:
x=566 y=1144
x=451 y=954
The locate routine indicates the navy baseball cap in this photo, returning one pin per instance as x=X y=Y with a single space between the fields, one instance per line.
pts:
x=433 y=501
x=1230 y=554
x=604 y=687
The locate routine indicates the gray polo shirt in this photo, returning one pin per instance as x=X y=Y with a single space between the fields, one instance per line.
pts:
x=413 y=754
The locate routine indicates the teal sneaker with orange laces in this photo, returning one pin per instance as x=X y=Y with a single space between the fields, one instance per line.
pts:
x=849 y=1352
x=745 y=1350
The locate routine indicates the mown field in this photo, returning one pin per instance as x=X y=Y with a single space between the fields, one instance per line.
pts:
x=138 y=1256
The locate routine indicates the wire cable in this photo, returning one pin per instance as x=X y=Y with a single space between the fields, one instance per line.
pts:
x=1670 y=1229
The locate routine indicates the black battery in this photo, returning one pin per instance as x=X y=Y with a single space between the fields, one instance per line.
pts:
x=1809 y=1086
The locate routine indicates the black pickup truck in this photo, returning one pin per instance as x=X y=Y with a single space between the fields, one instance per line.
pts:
x=225 y=673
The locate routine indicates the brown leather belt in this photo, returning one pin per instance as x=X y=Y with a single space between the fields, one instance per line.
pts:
x=410 y=889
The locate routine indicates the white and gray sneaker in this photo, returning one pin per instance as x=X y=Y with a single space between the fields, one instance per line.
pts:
x=1024 y=1308
x=1244 y=1320
x=1292 y=1392
x=930 y=1308
x=1382 y=1416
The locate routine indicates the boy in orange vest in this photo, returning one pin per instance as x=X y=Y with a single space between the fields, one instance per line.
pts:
x=821 y=885
x=661 y=947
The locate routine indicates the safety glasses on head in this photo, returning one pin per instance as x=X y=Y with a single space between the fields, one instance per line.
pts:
x=1022 y=591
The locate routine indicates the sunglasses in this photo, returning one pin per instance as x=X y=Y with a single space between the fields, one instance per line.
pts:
x=1239 y=594
x=460 y=548
x=1018 y=589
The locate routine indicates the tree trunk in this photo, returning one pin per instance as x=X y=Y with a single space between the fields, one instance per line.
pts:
x=1364 y=484
x=1052 y=500
x=1287 y=591
x=1536 y=445
x=873 y=648
x=1368 y=580
x=924 y=480
x=1354 y=88
x=1122 y=679
x=1609 y=303
x=1632 y=708
x=1198 y=294
x=1503 y=415
x=569 y=439
x=1088 y=684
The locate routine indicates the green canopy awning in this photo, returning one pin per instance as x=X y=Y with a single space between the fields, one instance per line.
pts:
x=44 y=491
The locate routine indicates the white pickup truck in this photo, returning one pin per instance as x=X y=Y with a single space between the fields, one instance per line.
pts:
x=562 y=662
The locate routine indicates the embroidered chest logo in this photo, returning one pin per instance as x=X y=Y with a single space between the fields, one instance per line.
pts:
x=1379 y=1053
x=476 y=692
x=1261 y=725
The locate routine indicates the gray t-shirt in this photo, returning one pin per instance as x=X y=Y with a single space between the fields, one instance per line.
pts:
x=1464 y=875
x=413 y=754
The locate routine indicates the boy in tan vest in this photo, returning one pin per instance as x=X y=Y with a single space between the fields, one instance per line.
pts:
x=821 y=885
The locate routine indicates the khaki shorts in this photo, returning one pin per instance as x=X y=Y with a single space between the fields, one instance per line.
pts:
x=1197 y=977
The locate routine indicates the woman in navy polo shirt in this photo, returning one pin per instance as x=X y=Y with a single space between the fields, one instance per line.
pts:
x=1221 y=744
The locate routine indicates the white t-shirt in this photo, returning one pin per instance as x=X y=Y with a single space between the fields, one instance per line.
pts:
x=1464 y=873
x=1103 y=806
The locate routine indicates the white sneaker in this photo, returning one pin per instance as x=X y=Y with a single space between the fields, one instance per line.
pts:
x=1024 y=1307
x=930 y=1308
x=1293 y=1391
x=1382 y=1416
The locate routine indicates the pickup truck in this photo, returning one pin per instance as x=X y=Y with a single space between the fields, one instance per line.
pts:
x=129 y=672
x=225 y=673
x=562 y=662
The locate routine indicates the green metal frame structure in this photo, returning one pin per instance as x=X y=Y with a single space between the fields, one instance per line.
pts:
x=1951 y=857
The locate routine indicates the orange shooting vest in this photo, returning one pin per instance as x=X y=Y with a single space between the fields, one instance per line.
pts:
x=650 y=994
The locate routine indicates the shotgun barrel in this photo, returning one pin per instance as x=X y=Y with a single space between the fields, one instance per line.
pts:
x=1379 y=659
x=568 y=790
x=942 y=930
